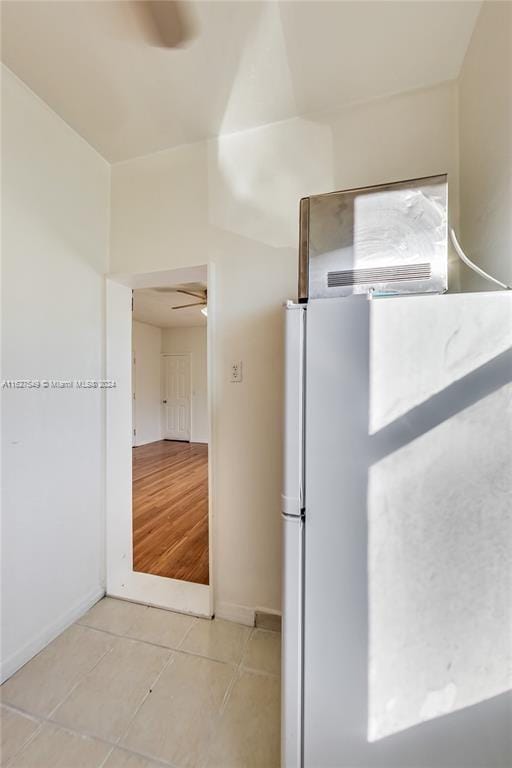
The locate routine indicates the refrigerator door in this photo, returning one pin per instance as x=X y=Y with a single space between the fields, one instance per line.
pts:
x=292 y=498
x=407 y=591
x=291 y=643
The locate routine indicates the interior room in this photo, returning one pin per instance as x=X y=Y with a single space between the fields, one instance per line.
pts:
x=170 y=432
x=271 y=528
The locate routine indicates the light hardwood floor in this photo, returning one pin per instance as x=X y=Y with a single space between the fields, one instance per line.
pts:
x=170 y=510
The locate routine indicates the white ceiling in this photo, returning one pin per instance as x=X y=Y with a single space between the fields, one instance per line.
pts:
x=250 y=63
x=155 y=307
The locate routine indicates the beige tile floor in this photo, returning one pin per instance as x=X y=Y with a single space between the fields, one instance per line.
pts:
x=129 y=686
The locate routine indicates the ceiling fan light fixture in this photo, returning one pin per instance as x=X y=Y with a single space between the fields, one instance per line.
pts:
x=204 y=311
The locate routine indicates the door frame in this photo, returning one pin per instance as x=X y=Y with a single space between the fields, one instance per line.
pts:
x=134 y=397
x=121 y=580
x=163 y=382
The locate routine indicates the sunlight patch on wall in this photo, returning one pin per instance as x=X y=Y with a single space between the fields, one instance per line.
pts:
x=256 y=179
x=262 y=61
x=439 y=569
x=448 y=352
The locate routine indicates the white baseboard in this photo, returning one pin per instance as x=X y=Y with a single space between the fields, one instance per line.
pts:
x=242 y=614
x=272 y=611
x=139 y=443
x=10 y=665
x=232 y=612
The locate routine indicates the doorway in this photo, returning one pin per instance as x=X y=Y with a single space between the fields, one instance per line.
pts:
x=158 y=529
x=170 y=457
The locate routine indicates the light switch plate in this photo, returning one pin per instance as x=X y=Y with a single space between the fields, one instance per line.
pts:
x=236 y=372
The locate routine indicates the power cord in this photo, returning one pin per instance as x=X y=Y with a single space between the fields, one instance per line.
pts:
x=462 y=256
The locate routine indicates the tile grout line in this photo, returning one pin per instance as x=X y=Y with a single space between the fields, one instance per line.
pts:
x=260 y=672
x=27 y=741
x=168 y=663
x=46 y=718
x=246 y=644
x=187 y=633
x=118 y=743
x=227 y=695
x=109 y=651
x=78 y=682
x=107 y=757
x=49 y=719
x=43 y=720
x=236 y=672
x=180 y=649
x=238 y=667
x=255 y=670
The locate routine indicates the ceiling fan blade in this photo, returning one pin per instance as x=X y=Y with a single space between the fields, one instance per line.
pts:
x=169 y=23
x=192 y=293
x=196 y=304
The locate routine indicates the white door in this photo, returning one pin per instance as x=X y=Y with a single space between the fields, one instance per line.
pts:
x=176 y=399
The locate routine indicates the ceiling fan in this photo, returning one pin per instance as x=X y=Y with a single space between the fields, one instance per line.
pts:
x=203 y=296
x=165 y=23
x=199 y=293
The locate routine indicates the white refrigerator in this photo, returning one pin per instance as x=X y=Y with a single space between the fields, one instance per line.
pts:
x=396 y=513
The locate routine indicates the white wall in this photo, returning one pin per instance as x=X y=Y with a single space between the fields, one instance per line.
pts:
x=234 y=202
x=55 y=211
x=146 y=346
x=193 y=340
x=485 y=117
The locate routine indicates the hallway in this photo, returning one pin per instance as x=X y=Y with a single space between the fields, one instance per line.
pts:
x=170 y=510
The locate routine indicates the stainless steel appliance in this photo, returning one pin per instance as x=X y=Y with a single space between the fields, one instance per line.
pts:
x=387 y=239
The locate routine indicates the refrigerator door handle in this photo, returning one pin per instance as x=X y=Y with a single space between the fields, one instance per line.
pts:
x=291 y=506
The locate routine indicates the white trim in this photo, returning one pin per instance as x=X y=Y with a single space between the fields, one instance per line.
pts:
x=10 y=665
x=145 y=442
x=122 y=580
x=242 y=614
x=160 y=592
x=163 y=278
x=269 y=611
x=210 y=393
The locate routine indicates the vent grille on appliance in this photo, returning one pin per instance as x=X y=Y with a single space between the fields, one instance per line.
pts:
x=367 y=275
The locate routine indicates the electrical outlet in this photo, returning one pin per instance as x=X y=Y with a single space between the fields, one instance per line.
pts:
x=236 y=372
